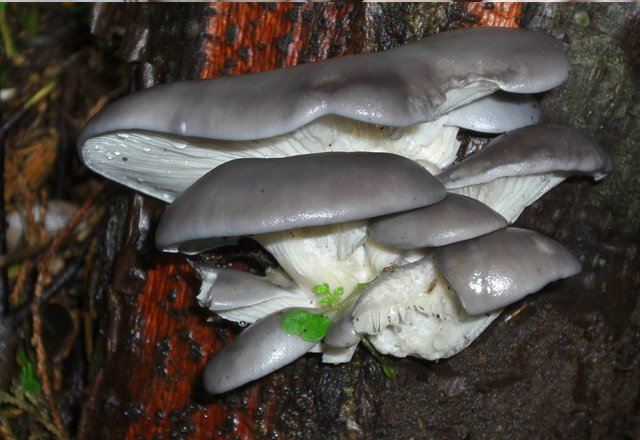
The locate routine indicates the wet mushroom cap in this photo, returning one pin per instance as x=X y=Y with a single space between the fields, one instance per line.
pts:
x=262 y=348
x=233 y=289
x=257 y=196
x=342 y=333
x=537 y=149
x=495 y=270
x=407 y=85
x=456 y=218
x=496 y=113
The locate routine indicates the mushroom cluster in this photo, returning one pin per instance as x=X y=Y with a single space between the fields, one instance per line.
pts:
x=330 y=167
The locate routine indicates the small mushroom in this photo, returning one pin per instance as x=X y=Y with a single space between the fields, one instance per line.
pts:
x=496 y=113
x=517 y=168
x=243 y=297
x=495 y=270
x=258 y=196
x=455 y=218
x=173 y=125
x=262 y=348
x=343 y=333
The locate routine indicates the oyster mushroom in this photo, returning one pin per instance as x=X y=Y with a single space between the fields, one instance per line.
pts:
x=243 y=297
x=262 y=348
x=309 y=211
x=496 y=113
x=437 y=306
x=171 y=135
x=517 y=168
x=456 y=218
x=497 y=269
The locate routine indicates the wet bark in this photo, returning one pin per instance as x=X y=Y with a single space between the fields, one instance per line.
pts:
x=564 y=366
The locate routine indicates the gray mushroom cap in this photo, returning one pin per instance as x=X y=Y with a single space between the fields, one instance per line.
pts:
x=233 y=289
x=342 y=333
x=256 y=196
x=495 y=270
x=496 y=113
x=399 y=87
x=456 y=218
x=262 y=348
x=537 y=149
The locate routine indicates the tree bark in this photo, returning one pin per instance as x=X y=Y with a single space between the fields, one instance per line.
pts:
x=565 y=365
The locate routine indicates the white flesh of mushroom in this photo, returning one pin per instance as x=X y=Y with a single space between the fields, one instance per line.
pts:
x=414 y=311
x=509 y=196
x=333 y=254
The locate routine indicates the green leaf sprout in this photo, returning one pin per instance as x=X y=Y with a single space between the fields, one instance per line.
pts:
x=307 y=325
x=328 y=298
x=387 y=369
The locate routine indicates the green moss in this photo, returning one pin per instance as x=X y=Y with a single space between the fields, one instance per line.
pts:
x=600 y=97
x=582 y=19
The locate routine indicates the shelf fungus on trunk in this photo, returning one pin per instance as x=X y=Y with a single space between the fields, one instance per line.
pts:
x=517 y=168
x=402 y=101
x=329 y=167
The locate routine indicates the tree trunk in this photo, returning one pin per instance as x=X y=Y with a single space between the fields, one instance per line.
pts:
x=565 y=366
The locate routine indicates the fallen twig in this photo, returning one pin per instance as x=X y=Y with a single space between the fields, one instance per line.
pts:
x=40 y=296
x=21 y=255
x=10 y=49
x=70 y=270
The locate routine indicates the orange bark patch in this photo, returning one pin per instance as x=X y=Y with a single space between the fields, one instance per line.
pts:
x=504 y=14
x=169 y=332
x=250 y=37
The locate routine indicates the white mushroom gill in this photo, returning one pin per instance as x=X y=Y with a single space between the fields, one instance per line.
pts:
x=381 y=256
x=509 y=196
x=413 y=311
x=339 y=255
x=332 y=254
x=163 y=166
